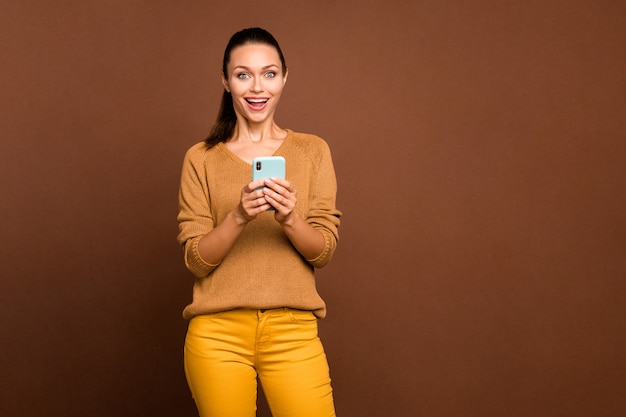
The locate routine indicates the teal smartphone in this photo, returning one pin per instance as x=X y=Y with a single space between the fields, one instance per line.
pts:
x=268 y=166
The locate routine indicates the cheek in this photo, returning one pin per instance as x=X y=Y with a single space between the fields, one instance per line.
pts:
x=237 y=87
x=277 y=89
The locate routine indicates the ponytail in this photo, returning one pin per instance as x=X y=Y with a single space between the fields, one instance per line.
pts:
x=224 y=126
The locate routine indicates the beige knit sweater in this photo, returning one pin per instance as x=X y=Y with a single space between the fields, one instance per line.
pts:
x=263 y=269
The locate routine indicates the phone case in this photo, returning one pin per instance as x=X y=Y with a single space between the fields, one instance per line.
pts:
x=268 y=166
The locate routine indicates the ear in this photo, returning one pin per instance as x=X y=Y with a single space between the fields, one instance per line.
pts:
x=225 y=82
x=285 y=77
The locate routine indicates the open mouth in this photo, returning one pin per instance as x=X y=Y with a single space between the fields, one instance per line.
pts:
x=257 y=102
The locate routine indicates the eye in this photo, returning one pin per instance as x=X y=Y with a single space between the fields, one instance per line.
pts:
x=243 y=75
x=270 y=74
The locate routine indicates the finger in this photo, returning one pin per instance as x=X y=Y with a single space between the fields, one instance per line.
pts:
x=260 y=202
x=250 y=197
x=253 y=199
x=255 y=207
x=279 y=183
x=275 y=204
x=254 y=185
x=277 y=200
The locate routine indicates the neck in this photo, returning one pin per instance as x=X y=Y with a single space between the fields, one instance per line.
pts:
x=256 y=133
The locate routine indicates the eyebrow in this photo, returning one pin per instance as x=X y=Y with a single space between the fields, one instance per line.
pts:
x=263 y=68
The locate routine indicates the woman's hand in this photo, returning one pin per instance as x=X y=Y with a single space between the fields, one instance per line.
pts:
x=253 y=201
x=282 y=195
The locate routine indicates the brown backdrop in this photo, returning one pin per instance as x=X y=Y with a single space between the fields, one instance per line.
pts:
x=480 y=153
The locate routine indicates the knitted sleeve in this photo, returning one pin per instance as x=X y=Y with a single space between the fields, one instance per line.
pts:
x=323 y=215
x=194 y=216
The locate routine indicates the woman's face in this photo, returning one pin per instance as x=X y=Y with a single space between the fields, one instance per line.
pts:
x=255 y=80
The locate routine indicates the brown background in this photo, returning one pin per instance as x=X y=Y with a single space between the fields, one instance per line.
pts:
x=480 y=153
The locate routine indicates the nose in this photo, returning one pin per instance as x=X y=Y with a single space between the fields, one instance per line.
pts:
x=257 y=85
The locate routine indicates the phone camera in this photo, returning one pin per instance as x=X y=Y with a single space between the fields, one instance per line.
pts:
x=258 y=165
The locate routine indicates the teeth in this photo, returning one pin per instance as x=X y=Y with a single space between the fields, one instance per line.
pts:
x=256 y=101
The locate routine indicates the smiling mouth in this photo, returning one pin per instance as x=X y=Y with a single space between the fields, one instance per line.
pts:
x=257 y=102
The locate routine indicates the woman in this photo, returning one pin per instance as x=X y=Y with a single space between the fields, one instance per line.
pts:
x=255 y=306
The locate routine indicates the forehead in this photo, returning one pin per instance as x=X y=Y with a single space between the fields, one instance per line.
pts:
x=254 y=55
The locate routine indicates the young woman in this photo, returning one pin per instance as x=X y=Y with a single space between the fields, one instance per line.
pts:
x=255 y=305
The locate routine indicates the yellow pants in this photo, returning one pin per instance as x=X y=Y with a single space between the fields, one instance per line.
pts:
x=225 y=352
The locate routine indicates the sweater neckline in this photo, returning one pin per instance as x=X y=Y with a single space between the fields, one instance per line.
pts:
x=237 y=159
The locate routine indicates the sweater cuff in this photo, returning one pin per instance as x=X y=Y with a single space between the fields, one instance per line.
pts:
x=194 y=261
x=326 y=255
